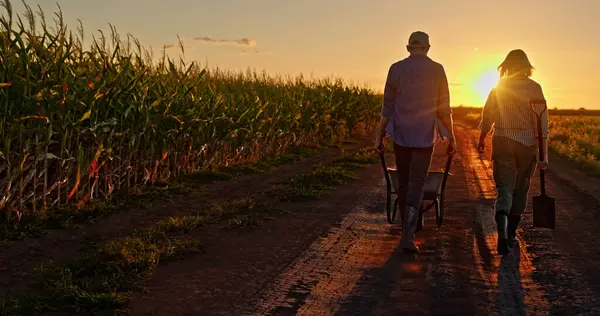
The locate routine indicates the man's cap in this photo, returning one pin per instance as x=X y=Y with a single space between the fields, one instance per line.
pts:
x=418 y=39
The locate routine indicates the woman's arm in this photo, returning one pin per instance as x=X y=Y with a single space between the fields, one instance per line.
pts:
x=487 y=115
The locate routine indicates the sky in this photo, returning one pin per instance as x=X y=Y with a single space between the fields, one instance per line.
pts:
x=358 y=40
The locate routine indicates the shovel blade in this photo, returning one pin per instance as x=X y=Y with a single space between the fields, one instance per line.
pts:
x=544 y=215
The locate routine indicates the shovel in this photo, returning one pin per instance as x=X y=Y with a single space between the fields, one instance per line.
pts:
x=543 y=206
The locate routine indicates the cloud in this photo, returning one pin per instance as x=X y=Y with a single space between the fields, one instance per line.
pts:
x=242 y=41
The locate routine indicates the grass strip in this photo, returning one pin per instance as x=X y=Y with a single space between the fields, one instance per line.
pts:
x=36 y=225
x=318 y=182
x=101 y=279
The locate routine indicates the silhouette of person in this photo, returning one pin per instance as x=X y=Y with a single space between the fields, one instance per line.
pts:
x=415 y=114
x=514 y=143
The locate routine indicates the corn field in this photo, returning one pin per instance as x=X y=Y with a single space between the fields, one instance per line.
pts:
x=79 y=124
x=578 y=139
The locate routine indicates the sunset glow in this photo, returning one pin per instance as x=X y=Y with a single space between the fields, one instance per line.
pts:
x=483 y=84
x=358 y=40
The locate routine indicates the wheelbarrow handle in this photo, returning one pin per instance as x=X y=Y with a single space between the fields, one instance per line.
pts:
x=385 y=171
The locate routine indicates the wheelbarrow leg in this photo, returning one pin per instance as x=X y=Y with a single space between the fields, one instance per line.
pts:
x=394 y=214
x=441 y=216
x=438 y=209
x=388 y=208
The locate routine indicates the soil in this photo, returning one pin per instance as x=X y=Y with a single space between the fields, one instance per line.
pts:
x=338 y=256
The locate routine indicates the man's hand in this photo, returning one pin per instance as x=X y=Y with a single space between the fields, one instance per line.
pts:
x=381 y=134
x=451 y=149
x=379 y=148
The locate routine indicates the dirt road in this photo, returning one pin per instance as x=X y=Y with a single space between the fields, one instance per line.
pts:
x=338 y=256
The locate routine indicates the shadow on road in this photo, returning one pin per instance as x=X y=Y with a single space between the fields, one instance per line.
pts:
x=397 y=286
x=511 y=297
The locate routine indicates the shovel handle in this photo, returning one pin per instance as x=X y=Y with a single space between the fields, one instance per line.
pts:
x=539 y=107
x=543 y=182
x=542 y=154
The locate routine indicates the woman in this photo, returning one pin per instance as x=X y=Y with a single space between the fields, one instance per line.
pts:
x=514 y=143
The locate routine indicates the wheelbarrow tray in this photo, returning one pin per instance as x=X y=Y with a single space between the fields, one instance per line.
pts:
x=431 y=189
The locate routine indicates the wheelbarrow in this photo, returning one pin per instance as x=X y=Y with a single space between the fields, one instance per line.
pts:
x=433 y=193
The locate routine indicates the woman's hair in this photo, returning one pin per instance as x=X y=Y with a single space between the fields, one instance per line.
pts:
x=515 y=63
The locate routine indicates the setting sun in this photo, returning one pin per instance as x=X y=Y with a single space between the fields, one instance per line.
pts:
x=484 y=83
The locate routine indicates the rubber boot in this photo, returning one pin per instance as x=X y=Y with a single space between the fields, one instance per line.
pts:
x=513 y=223
x=502 y=223
x=411 y=216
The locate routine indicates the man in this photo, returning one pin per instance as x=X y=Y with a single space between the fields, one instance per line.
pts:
x=415 y=113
